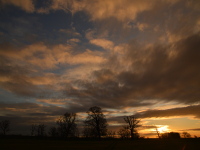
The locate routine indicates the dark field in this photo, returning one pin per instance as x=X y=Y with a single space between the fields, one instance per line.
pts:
x=144 y=144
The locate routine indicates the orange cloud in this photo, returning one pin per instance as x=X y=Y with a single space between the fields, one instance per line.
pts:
x=53 y=101
x=46 y=57
x=122 y=10
x=106 y=44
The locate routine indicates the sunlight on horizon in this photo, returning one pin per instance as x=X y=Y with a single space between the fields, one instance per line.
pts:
x=163 y=129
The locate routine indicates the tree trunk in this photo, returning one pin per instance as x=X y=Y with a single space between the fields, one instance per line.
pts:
x=132 y=134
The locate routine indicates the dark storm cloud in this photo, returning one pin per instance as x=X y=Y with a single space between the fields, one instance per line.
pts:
x=167 y=77
x=169 y=73
x=182 y=111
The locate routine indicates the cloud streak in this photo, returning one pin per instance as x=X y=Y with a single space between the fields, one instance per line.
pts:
x=174 y=112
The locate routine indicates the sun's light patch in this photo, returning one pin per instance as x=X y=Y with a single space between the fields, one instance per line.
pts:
x=163 y=128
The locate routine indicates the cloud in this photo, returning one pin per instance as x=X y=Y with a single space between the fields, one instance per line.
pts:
x=194 y=4
x=174 y=112
x=86 y=57
x=147 y=51
x=142 y=26
x=71 y=32
x=106 y=44
x=49 y=57
x=35 y=109
x=125 y=10
x=152 y=74
x=74 y=40
x=53 y=101
x=121 y=10
x=26 y=5
x=195 y=129
x=22 y=68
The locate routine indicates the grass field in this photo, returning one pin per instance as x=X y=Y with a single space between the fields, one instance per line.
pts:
x=144 y=144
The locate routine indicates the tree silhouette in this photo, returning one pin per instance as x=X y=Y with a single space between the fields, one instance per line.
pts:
x=124 y=133
x=67 y=126
x=133 y=123
x=186 y=135
x=170 y=135
x=53 y=132
x=5 y=126
x=33 y=129
x=41 y=130
x=38 y=130
x=95 y=123
x=158 y=132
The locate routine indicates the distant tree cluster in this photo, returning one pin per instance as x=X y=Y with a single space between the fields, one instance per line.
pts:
x=38 y=130
x=170 y=135
x=186 y=135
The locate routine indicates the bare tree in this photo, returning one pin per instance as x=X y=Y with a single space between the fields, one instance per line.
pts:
x=41 y=130
x=67 y=126
x=133 y=123
x=38 y=130
x=33 y=129
x=5 y=126
x=186 y=135
x=95 y=123
x=158 y=132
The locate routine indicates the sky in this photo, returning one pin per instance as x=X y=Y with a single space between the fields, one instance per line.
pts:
x=129 y=57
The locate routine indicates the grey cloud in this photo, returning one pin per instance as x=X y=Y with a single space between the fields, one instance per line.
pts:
x=193 y=129
x=182 y=111
x=37 y=110
x=154 y=74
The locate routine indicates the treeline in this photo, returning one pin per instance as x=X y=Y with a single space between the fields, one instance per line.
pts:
x=94 y=126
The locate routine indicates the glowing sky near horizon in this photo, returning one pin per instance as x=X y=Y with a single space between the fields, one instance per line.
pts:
x=129 y=57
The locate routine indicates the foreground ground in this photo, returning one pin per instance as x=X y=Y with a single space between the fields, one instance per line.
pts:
x=144 y=144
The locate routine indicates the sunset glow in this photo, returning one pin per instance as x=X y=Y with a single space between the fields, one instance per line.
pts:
x=129 y=57
x=163 y=129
